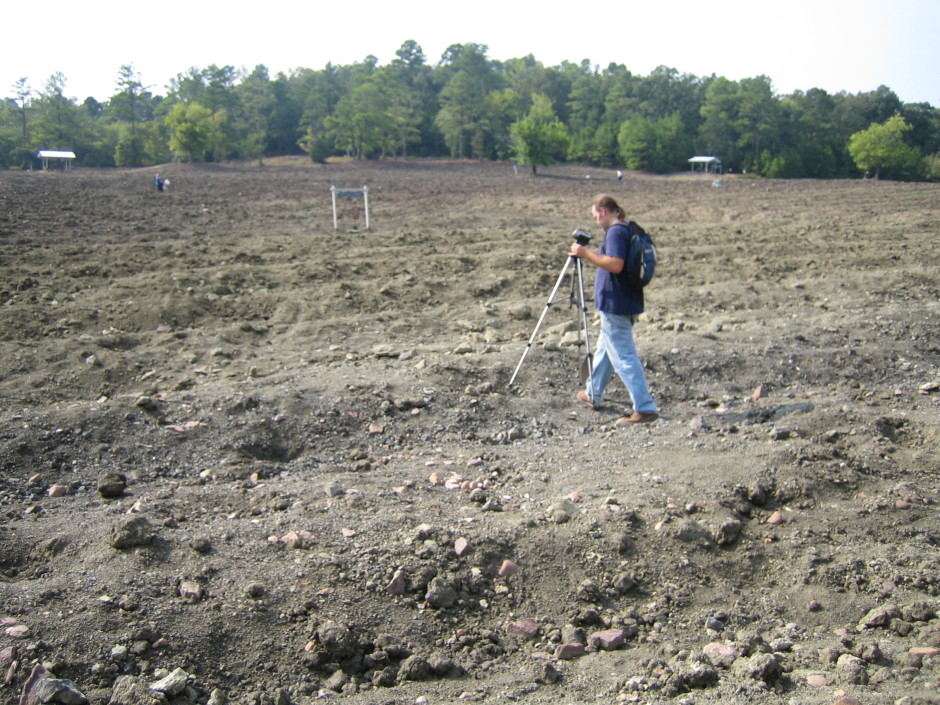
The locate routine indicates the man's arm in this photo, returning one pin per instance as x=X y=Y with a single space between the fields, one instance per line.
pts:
x=614 y=265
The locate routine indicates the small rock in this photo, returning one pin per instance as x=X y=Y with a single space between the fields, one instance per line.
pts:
x=507 y=568
x=396 y=585
x=851 y=670
x=775 y=518
x=760 y=392
x=462 y=546
x=440 y=594
x=59 y=690
x=720 y=655
x=816 y=680
x=414 y=668
x=131 y=690
x=546 y=673
x=879 y=617
x=337 y=681
x=566 y=652
x=18 y=631
x=133 y=532
x=297 y=539
x=607 y=640
x=201 y=545
x=190 y=590
x=728 y=532
x=526 y=628
x=112 y=484
x=334 y=489
x=761 y=666
x=173 y=684
x=57 y=491
x=715 y=624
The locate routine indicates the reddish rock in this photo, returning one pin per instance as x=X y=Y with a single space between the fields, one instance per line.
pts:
x=462 y=546
x=720 y=655
x=607 y=640
x=569 y=651
x=396 y=585
x=527 y=628
x=507 y=569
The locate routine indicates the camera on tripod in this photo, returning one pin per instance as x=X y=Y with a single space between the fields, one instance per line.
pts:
x=577 y=287
x=581 y=237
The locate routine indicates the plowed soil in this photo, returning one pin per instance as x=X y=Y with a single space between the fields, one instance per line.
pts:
x=284 y=457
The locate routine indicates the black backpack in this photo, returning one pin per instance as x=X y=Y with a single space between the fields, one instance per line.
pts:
x=641 y=256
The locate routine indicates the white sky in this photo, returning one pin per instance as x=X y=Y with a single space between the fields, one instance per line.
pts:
x=850 y=45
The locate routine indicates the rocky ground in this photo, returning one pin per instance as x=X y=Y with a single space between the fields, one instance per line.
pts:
x=248 y=458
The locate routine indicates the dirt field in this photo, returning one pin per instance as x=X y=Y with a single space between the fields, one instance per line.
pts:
x=248 y=458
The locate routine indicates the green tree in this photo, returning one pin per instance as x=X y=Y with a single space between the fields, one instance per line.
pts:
x=130 y=104
x=466 y=118
x=717 y=134
x=756 y=120
x=657 y=145
x=256 y=102
x=321 y=91
x=416 y=95
x=131 y=108
x=20 y=150
x=194 y=130
x=539 y=138
x=57 y=117
x=362 y=122
x=61 y=124
x=881 y=148
x=585 y=109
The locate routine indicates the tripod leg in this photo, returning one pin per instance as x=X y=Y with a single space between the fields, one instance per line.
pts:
x=589 y=359
x=548 y=305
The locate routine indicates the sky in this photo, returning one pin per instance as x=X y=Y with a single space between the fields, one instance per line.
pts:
x=837 y=45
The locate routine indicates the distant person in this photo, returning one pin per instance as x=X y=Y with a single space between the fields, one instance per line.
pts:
x=619 y=304
x=158 y=182
x=619 y=175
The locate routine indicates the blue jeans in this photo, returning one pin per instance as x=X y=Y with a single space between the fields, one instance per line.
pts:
x=616 y=350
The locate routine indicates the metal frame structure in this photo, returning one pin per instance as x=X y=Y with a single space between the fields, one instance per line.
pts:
x=350 y=193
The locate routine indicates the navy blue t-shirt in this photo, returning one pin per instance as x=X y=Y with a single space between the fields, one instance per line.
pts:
x=613 y=293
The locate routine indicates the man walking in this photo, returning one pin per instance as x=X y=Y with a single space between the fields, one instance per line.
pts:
x=619 y=303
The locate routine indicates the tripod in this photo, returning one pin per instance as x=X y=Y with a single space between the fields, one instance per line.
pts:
x=577 y=282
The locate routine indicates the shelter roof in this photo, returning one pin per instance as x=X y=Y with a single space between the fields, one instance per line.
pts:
x=54 y=154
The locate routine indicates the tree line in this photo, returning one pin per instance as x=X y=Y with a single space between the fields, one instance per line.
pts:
x=470 y=106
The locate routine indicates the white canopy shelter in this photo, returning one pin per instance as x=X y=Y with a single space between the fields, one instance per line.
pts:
x=707 y=165
x=47 y=154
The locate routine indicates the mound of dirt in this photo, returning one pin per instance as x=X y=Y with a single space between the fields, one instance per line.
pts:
x=246 y=457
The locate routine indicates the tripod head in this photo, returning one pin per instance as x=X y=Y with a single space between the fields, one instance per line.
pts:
x=581 y=237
